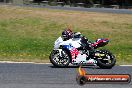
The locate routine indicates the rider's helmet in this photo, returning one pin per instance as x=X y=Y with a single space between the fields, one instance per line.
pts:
x=67 y=34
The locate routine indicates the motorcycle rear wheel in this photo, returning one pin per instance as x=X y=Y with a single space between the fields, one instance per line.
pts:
x=106 y=64
x=58 y=61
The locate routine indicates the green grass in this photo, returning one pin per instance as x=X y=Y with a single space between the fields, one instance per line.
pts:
x=17 y=41
x=28 y=34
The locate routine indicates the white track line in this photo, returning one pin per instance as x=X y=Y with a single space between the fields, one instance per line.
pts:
x=125 y=65
x=22 y=62
x=36 y=63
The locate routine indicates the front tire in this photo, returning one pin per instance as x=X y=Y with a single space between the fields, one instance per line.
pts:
x=59 y=61
x=107 y=61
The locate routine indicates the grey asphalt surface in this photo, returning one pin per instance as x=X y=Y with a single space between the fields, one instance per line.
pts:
x=14 y=75
x=101 y=10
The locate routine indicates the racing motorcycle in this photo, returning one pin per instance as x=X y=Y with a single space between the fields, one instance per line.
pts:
x=75 y=52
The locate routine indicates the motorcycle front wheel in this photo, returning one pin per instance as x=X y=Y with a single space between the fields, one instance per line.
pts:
x=107 y=61
x=59 y=61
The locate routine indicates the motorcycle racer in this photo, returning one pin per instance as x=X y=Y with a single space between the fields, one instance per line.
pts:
x=68 y=34
x=74 y=48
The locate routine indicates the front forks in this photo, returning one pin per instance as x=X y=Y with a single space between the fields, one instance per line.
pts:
x=60 y=51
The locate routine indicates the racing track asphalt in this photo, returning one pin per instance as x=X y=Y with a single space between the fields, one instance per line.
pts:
x=101 y=10
x=27 y=75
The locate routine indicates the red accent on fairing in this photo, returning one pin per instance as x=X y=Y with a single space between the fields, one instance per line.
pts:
x=96 y=43
x=74 y=52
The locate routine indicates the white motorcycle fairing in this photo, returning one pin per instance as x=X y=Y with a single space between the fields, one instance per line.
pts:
x=73 y=42
x=77 y=56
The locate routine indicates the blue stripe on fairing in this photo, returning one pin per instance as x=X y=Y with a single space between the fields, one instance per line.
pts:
x=69 y=47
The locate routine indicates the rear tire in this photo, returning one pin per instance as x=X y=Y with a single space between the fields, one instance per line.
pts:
x=58 y=61
x=106 y=64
